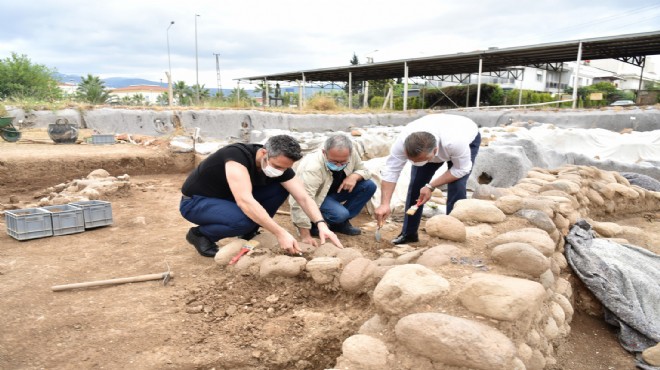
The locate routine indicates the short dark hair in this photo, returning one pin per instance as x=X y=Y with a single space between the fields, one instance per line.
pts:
x=283 y=145
x=418 y=143
x=339 y=141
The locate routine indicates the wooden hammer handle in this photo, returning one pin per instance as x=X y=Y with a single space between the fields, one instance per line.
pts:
x=134 y=279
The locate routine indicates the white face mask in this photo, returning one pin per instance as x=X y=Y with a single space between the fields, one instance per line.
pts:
x=419 y=164
x=271 y=171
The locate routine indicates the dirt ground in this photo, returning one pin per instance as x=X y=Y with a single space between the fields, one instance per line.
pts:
x=206 y=317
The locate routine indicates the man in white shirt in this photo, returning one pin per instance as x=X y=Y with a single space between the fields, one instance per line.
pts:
x=428 y=142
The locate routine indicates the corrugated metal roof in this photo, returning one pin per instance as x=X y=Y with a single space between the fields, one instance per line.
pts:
x=623 y=46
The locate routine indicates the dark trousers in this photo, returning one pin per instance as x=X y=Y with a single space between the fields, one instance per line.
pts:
x=222 y=218
x=421 y=175
x=343 y=206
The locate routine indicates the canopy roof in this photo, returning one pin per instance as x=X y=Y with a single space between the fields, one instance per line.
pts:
x=631 y=48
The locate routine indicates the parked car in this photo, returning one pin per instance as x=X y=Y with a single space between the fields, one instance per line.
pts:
x=622 y=103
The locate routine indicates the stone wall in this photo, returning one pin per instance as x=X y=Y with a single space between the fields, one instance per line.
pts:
x=227 y=124
x=494 y=293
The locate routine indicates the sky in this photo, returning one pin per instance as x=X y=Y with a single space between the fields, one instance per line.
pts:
x=121 y=38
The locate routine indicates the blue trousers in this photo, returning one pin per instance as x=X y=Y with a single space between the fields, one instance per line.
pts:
x=222 y=218
x=334 y=212
x=420 y=176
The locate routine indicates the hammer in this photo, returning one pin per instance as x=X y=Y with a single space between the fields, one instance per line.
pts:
x=165 y=276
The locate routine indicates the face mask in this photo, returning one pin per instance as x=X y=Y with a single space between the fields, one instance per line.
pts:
x=419 y=164
x=333 y=167
x=271 y=171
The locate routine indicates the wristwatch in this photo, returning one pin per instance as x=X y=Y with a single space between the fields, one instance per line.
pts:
x=316 y=223
x=430 y=186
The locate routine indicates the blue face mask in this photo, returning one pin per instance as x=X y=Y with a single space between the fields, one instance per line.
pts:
x=333 y=167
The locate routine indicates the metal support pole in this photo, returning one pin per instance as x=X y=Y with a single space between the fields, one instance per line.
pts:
x=479 y=82
x=302 y=95
x=577 y=74
x=169 y=63
x=467 y=95
x=405 y=86
x=522 y=78
x=365 y=102
x=641 y=75
x=196 y=61
x=267 y=102
x=350 y=90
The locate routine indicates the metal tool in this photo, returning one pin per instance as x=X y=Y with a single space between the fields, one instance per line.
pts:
x=247 y=248
x=166 y=276
x=377 y=234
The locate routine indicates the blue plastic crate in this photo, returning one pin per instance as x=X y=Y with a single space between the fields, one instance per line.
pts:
x=67 y=219
x=28 y=223
x=95 y=212
x=103 y=139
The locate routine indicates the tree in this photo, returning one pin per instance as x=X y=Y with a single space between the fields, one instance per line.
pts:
x=204 y=93
x=92 y=90
x=19 y=78
x=355 y=85
x=182 y=93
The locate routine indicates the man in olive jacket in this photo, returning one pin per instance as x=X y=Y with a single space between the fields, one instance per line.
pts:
x=337 y=180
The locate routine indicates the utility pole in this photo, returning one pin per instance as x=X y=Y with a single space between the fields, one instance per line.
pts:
x=196 y=61
x=169 y=63
x=217 y=72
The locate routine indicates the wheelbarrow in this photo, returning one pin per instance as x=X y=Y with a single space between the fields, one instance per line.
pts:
x=8 y=131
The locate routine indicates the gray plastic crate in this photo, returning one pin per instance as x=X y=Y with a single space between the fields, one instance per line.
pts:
x=67 y=219
x=103 y=139
x=28 y=223
x=95 y=212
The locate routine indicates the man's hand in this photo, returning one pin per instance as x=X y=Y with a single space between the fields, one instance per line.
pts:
x=288 y=243
x=382 y=213
x=424 y=195
x=309 y=240
x=324 y=233
x=349 y=183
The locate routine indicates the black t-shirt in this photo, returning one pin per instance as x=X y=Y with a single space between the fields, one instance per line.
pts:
x=210 y=180
x=337 y=178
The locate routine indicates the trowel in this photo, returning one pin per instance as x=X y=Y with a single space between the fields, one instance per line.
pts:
x=377 y=234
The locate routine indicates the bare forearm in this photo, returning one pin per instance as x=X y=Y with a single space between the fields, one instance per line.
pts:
x=443 y=179
x=258 y=214
x=386 y=191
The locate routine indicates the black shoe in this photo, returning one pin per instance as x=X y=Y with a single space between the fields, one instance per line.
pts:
x=251 y=234
x=405 y=239
x=314 y=231
x=204 y=246
x=345 y=228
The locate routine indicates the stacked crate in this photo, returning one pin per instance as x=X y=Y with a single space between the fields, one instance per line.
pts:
x=32 y=223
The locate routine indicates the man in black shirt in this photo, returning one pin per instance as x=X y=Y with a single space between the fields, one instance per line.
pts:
x=239 y=188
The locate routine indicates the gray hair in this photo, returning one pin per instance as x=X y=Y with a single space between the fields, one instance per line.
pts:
x=283 y=145
x=338 y=141
x=419 y=143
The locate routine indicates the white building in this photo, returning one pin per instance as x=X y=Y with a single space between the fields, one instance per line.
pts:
x=624 y=76
x=149 y=92
x=68 y=88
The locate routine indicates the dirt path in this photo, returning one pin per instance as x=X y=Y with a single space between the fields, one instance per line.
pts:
x=206 y=317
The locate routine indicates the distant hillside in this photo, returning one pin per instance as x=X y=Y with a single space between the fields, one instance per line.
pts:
x=117 y=82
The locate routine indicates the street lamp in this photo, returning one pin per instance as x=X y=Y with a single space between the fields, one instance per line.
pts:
x=196 y=60
x=169 y=62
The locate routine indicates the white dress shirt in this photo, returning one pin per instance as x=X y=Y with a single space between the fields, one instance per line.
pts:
x=454 y=135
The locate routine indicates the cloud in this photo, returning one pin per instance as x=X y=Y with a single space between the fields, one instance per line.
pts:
x=129 y=38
